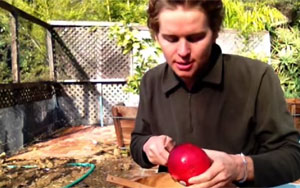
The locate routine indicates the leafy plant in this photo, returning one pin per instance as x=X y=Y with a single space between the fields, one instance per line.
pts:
x=32 y=51
x=5 y=65
x=254 y=55
x=145 y=53
x=286 y=59
x=249 y=17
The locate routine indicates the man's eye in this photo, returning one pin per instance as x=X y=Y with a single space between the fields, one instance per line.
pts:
x=171 y=38
x=195 y=38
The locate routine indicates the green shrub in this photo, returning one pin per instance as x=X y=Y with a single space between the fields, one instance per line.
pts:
x=251 y=16
x=145 y=53
x=286 y=59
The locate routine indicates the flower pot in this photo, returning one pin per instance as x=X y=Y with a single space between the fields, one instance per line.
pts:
x=294 y=108
x=124 y=122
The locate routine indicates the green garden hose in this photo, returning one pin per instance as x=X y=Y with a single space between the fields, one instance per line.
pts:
x=25 y=166
x=92 y=167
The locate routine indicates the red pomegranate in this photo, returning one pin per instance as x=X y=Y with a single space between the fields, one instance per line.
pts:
x=187 y=160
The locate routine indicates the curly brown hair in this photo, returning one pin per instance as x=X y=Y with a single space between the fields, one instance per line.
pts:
x=212 y=8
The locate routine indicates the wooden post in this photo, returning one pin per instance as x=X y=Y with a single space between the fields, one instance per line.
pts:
x=124 y=122
x=50 y=56
x=15 y=48
x=117 y=125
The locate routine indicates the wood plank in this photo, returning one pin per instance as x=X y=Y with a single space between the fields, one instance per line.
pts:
x=125 y=182
x=14 y=48
x=50 y=56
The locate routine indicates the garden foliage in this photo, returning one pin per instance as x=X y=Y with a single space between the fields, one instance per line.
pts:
x=32 y=45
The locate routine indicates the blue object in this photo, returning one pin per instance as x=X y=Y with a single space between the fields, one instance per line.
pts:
x=288 y=185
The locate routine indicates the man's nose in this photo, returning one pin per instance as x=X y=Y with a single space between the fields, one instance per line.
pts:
x=183 y=48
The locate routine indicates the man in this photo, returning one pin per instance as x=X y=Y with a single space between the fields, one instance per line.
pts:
x=230 y=105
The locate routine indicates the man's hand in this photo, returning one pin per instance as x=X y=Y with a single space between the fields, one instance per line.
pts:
x=225 y=169
x=157 y=149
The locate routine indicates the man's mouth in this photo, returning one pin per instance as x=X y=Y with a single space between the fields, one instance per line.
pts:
x=184 y=66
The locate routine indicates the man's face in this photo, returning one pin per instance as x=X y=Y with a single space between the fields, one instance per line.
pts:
x=186 y=41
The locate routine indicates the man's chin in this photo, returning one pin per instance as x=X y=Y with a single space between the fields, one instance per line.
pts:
x=184 y=76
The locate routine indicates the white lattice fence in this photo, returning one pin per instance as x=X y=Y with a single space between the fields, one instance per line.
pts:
x=90 y=103
x=232 y=42
x=87 y=53
x=91 y=69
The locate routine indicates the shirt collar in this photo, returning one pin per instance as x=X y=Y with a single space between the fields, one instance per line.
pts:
x=170 y=80
x=213 y=76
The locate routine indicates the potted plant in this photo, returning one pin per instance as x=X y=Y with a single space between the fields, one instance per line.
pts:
x=124 y=121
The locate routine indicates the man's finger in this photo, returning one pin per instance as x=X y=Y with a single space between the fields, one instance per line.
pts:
x=169 y=144
x=164 y=157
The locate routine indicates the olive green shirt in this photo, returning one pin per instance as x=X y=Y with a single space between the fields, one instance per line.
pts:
x=238 y=106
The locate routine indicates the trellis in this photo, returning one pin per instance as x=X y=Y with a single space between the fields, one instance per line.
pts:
x=91 y=68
